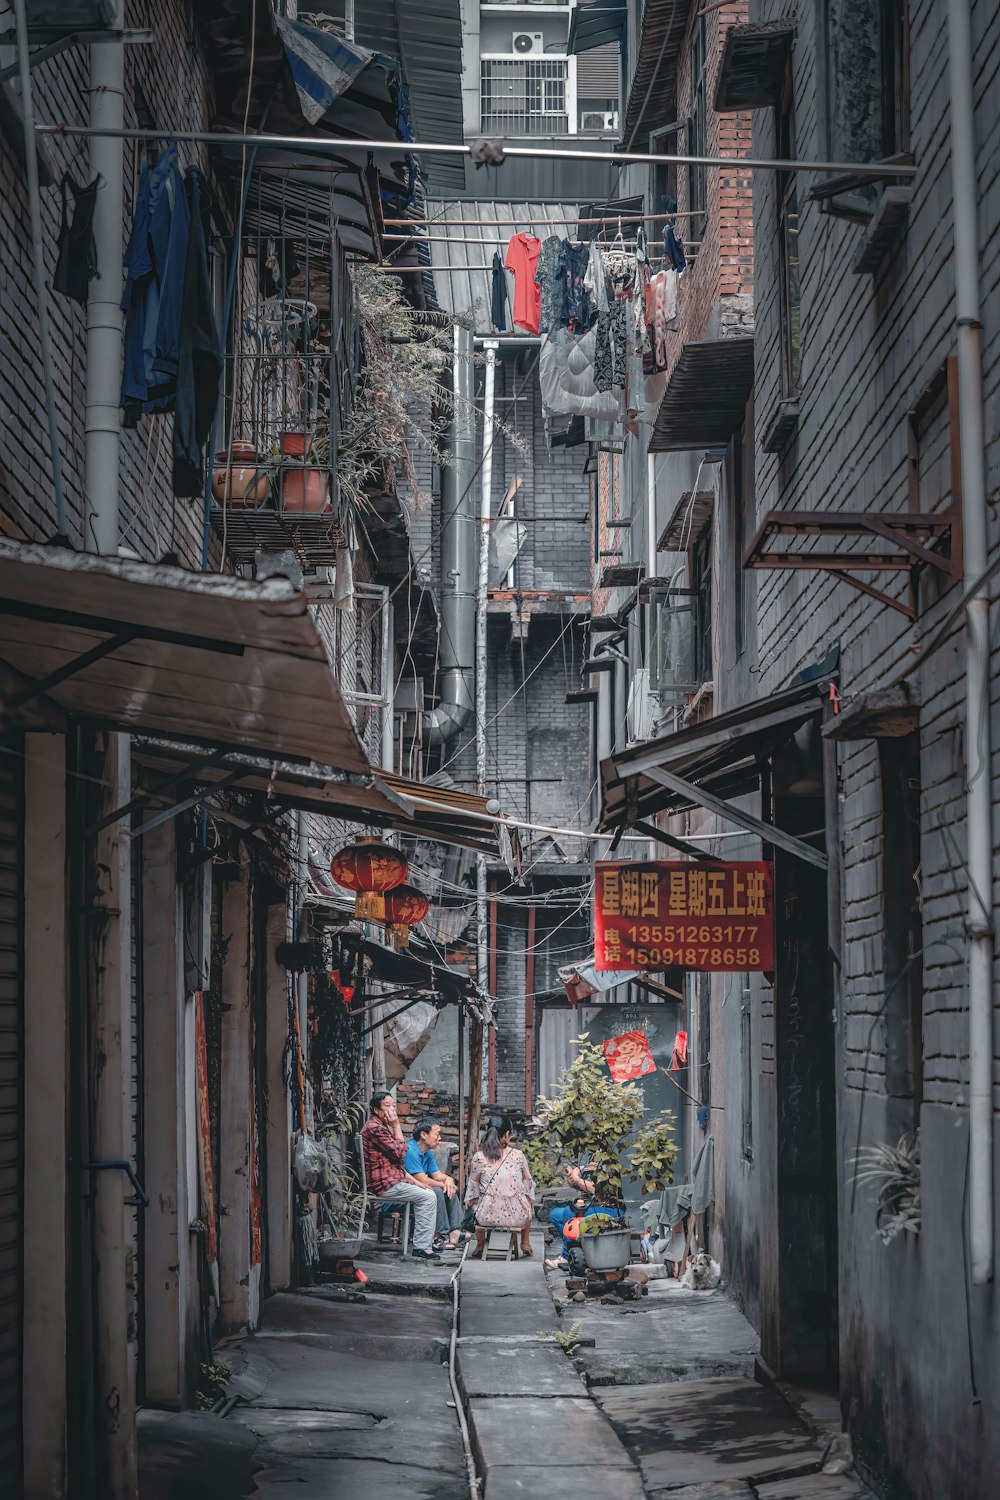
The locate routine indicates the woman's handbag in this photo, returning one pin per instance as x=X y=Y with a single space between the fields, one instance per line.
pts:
x=470 y=1222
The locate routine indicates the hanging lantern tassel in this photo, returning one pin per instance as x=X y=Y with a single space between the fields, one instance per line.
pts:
x=369 y=868
x=404 y=906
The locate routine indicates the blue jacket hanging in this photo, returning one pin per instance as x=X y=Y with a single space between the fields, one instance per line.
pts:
x=154 y=266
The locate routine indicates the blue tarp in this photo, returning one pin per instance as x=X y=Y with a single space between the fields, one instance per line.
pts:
x=323 y=65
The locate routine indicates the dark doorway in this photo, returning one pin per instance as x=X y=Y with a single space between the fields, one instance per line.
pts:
x=806 y=1107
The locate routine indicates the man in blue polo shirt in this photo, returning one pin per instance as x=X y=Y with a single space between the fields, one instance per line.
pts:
x=421 y=1165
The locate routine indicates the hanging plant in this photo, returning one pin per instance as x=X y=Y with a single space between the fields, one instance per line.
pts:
x=896 y=1172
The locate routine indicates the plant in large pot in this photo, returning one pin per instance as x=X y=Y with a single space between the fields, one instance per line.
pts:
x=302 y=472
x=595 y=1121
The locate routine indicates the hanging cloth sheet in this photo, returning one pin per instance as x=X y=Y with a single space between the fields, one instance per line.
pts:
x=199 y=355
x=550 y=286
x=76 y=265
x=522 y=260
x=155 y=259
x=322 y=65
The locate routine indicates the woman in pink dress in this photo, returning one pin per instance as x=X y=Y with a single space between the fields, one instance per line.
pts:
x=500 y=1186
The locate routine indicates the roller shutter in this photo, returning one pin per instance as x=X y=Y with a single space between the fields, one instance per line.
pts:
x=11 y=1111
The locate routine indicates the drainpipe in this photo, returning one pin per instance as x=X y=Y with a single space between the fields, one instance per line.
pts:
x=458 y=559
x=102 y=386
x=978 y=792
x=482 y=582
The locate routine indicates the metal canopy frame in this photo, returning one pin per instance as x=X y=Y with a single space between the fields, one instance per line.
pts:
x=907 y=533
x=724 y=809
x=82 y=37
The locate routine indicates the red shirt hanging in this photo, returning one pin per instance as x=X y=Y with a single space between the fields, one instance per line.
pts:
x=522 y=258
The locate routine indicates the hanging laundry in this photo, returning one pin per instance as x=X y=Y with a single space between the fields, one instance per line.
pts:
x=498 y=295
x=574 y=262
x=76 y=264
x=155 y=260
x=596 y=279
x=664 y=318
x=673 y=249
x=522 y=259
x=549 y=283
x=200 y=362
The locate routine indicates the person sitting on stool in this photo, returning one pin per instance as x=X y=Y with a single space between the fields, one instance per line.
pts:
x=421 y=1163
x=388 y=1182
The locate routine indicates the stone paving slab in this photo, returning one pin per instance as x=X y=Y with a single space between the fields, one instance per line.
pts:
x=194 y=1455
x=397 y=1328
x=408 y=1278
x=816 y=1487
x=515 y=1370
x=358 y=1479
x=698 y=1432
x=570 y=1483
x=487 y=1314
x=542 y=1433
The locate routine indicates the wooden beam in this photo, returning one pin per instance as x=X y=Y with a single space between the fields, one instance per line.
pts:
x=723 y=809
x=885 y=713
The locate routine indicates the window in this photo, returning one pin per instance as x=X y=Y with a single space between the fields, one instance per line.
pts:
x=746 y=1063
x=697 y=131
x=701 y=583
x=788 y=250
x=524 y=96
x=867 y=51
x=901 y=898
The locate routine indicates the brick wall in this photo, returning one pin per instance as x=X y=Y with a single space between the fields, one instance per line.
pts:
x=175 y=81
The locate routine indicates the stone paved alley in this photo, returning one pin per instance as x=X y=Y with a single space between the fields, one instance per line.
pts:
x=335 y=1400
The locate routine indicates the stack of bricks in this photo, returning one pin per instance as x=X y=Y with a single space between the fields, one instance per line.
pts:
x=416 y=1099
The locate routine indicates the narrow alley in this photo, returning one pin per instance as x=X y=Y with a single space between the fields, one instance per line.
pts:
x=352 y=1399
x=499 y=749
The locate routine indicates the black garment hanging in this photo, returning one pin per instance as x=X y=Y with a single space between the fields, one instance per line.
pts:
x=498 y=298
x=673 y=245
x=76 y=265
x=200 y=361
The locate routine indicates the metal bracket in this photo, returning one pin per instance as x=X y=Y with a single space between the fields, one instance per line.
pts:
x=71 y=668
x=724 y=809
x=63 y=44
x=139 y=1198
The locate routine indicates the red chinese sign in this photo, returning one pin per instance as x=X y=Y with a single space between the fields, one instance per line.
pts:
x=628 y=1056
x=716 y=918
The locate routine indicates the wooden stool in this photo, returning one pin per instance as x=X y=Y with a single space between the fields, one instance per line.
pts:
x=501 y=1252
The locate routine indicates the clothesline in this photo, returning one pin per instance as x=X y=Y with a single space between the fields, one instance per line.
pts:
x=694 y=213
x=454 y=239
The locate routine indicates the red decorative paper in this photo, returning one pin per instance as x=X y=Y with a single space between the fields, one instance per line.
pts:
x=629 y=1056
x=205 y=1171
x=679 y=1055
x=672 y=914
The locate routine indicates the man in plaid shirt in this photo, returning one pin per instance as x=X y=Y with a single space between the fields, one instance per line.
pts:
x=384 y=1148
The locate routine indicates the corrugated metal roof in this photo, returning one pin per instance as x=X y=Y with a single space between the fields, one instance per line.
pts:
x=466 y=291
x=426 y=36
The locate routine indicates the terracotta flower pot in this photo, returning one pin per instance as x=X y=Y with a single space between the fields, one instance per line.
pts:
x=238 y=478
x=294 y=444
x=305 y=490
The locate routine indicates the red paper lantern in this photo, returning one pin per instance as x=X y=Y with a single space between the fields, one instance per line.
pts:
x=369 y=868
x=404 y=905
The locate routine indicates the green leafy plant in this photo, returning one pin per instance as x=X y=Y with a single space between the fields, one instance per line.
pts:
x=568 y=1338
x=543 y=1162
x=593 y=1118
x=895 y=1170
x=212 y=1379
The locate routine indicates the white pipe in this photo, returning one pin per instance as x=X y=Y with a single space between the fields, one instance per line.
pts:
x=102 y=387
x=482 y=590
x=388 y=746
x=874 y=170
x=38 y=257
x=978 y=791
x=302 y=982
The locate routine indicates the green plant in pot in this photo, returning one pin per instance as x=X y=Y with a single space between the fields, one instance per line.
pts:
x=301 y=472
x=594 y=1120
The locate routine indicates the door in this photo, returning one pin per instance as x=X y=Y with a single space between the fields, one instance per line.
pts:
x=11 y=1112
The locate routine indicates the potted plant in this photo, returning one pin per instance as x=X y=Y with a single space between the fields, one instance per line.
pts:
x=239 y=478
x=303 y=476
x=593 y=1119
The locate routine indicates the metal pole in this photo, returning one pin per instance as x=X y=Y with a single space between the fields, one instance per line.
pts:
x=38 y=254
x=482 y=584
x=979 y=783
x=296 y=143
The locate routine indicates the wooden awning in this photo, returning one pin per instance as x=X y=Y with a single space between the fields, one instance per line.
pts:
x=705 y=400
x=754 y=62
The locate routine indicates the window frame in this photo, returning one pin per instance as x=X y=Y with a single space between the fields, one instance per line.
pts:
x=790 y=286
x=697 y=125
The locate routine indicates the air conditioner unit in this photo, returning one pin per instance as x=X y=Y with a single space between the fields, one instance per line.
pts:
x=599 y=120
x=526 y=43
x=640 y=707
